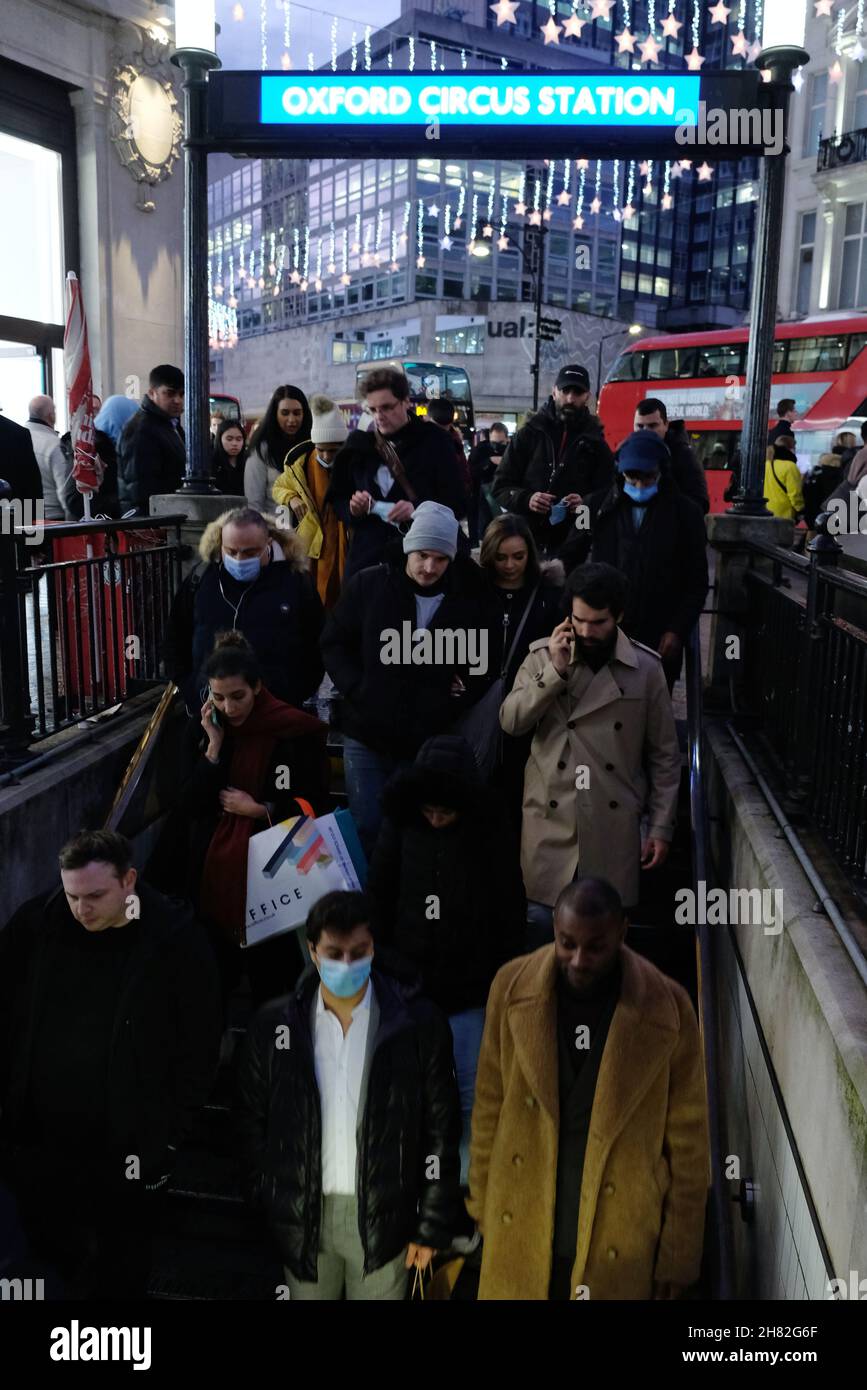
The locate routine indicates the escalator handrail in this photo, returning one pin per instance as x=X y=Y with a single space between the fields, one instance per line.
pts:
x=708 y=1013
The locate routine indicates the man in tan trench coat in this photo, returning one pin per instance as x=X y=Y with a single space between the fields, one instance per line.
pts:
x=589 y=1152
x=604 y=752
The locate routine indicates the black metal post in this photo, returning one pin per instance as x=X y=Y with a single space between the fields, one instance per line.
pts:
x=781 y=62
x=195 y=64
x=538 y=234
x=15 y=706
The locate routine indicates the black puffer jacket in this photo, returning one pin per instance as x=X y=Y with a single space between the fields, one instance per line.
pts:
x=394 y=708
x=432 y=470
x=686 y=470
x=151 y=458
x=543 y=456
x=408 y=1113
x=166 y=1036
x=665 y=560
x=480 y=908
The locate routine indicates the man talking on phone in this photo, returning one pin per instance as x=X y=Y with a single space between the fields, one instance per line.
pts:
x=604 y=757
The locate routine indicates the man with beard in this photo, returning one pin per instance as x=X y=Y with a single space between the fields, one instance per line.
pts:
x=589 y=1154
x=604 y=752
x=554 y=460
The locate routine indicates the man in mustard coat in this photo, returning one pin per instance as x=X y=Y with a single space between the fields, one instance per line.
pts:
x=589 y=1152
x=604 y=754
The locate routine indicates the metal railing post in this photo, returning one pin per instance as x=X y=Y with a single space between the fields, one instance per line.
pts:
x=14 y=699
x=822 y=550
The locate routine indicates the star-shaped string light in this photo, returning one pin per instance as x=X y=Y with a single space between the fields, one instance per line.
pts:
x=520 y=209
x=583 y=163
x=822 y=7
x=344 y=279
x=671 y=27
x=628 y=211
x=503 y=243
x=446 y=243
x=858 y=54
x=686 y=163
x=577 y=223
x=601 y=9
x=552 y=30
x=547 y=214
x=487 y=230
x=755 y=50
x=719 y=13
x=644 y=168
x=649 y=50
x=506 y=11
x=694 y=60
x=676 y=171
x=535 y=219
x=596 y=206
x=573 y=26
x=625 y=41
x=295 y=277
x=835 y=73
x=434 y=210
x=667 y=200
x=563 y=199
x=740 y=47
x=705 y=172
x=419 y=261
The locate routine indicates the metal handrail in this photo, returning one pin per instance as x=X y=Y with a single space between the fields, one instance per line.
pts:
x=708 y=1013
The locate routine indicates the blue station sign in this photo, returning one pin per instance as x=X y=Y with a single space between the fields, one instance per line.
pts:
x=602 y=113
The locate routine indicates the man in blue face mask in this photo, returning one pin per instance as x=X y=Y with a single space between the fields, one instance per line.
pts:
x=645 y=526
x=350 y=1118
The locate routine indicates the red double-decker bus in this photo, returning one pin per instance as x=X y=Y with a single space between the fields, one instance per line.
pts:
x=819 y=362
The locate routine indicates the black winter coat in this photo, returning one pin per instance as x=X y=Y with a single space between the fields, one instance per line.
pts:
x=686 y=470
x=665 y=560
x=432 y=470
x=394 y=708
x=166 y=1039
x=18 y=466
x=151 y=458
x=480 y=893
x=484 y=463
x=533 y=462
x=280 y=614
x=507 y=609
x=409 y=1112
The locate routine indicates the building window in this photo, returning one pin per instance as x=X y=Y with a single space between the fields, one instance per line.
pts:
x=807 y=242
x=816 y=103
x=381 y=350
x=853 y=270
x=466 y=340
x=859 y=120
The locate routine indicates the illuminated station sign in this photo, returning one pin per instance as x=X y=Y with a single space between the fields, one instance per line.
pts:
x=596 y=113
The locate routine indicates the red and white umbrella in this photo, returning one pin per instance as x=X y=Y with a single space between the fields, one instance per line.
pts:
x=87 y=469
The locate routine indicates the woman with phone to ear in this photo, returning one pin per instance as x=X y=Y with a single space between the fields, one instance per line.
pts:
x=249 y=757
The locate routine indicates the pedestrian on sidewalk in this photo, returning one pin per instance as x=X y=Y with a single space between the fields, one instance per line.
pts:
x=303 y=486
x=286 y=422
x=349 y=1118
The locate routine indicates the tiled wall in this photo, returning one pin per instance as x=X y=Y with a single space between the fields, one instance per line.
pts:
x=778 y=1256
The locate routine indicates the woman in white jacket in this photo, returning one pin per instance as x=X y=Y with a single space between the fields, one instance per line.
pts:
x=286 y=422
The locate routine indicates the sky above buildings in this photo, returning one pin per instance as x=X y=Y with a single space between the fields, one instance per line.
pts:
x=240 y=44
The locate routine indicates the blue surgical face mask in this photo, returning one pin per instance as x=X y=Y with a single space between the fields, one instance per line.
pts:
x=345 y=980
x=640 y=494
x=323 y=463
x=243 y=570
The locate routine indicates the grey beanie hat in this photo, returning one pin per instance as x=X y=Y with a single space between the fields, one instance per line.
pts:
x=434 y=527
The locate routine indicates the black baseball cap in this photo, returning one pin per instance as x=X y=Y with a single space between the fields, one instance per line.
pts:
x=577 y=377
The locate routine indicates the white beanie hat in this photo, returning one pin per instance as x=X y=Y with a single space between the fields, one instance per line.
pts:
x=328 y=425
x=434 y=527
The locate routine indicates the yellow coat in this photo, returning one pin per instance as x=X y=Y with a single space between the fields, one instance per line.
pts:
x=292 y=483
x=646 y=1168
x=786 y=497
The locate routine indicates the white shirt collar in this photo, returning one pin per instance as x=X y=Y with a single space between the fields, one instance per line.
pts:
x=363 y=1004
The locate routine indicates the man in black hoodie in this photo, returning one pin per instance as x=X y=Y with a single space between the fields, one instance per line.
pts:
x=109 y=1041
x=381 y=475
x=644 y=526
x=151 y=454
x=555 y=460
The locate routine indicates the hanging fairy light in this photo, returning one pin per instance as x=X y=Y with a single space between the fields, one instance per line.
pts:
x=332 y=264
x=281 y=259
x=218 y=287
x=407 y=213
x=411 y=53
x=390 y=59
x=317 y=283
x=306 y=262
x=651 y=17
x=475 y=212
x=696 y=20
x=521 y=206
x=309 y=62
x=841 y=20
x=433 y=56
x=233 y=300
x=344 y=256
x=356 y=240
x=334 y=44
x=630 y=184
x=549 y=191
x=296 y=257
x=579 y=206
x=420 y=236
x=504 y=219
x=287 y=34
x=354 y=51
x=462 y=202
x=503 y=64
x=367 y=57
x=615 y=200
x=463 y=58
x=263 y=32
x=394 y=265
x=648 y=186
x=446 y=241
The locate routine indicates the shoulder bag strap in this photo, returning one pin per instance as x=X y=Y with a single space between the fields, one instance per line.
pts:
x=518 y=630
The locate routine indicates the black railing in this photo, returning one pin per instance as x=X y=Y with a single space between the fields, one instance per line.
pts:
x=839 y=150
x=83 y=617
x=806 y=677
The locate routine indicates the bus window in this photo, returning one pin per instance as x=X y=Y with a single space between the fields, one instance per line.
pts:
x=780 y=350
x=856 y=343
x=817 y=354
x=629 y=367
x=667 y=363
x=457 y=384
x=721 y=359
x=714 y=448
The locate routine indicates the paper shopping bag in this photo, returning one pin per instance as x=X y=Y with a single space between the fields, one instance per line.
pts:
x=292 y=865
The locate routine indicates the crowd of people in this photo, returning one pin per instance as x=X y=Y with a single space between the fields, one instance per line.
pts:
x=476 y=1061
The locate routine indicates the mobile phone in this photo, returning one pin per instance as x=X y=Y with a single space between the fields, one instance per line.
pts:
x=215 y=718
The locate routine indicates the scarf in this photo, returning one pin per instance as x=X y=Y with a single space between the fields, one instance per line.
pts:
x=223 y=890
